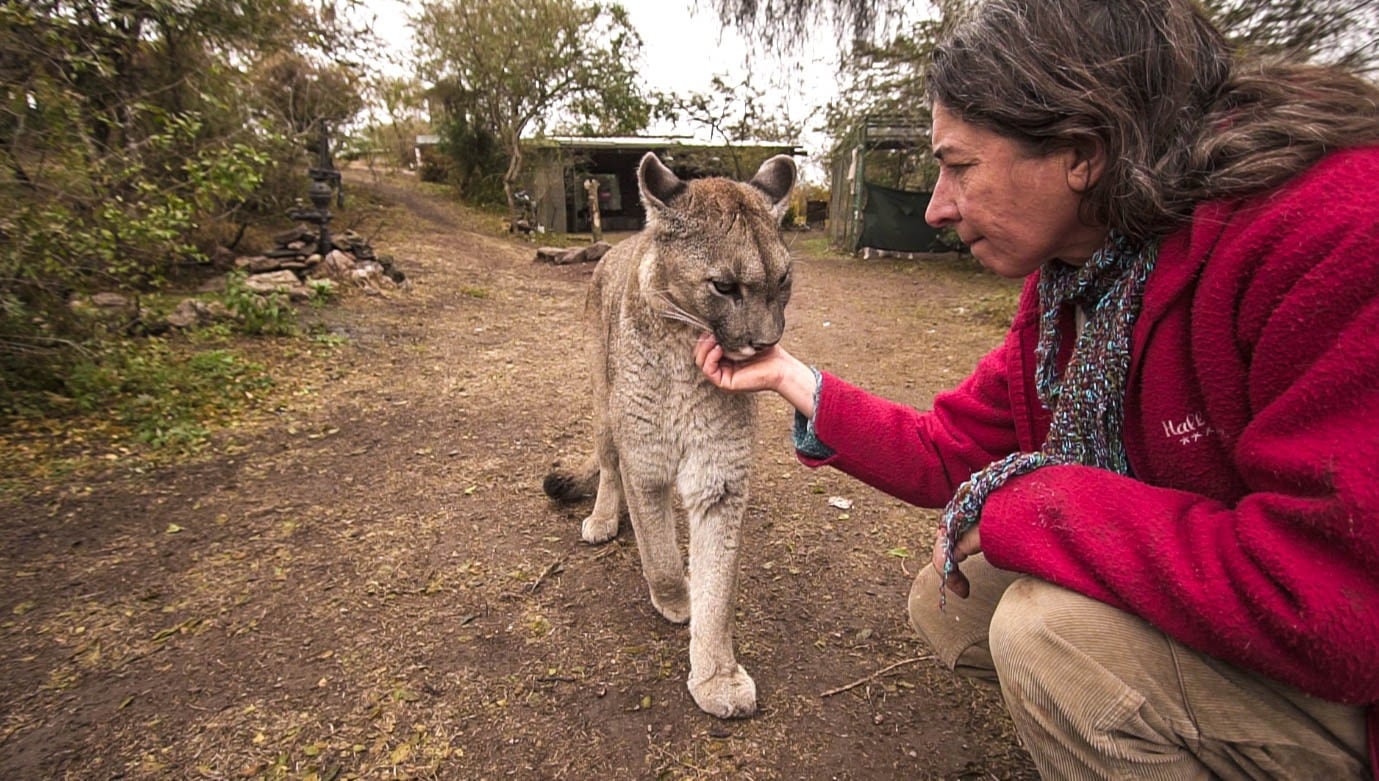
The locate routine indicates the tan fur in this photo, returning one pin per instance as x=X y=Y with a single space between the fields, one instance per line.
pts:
x=661 y=428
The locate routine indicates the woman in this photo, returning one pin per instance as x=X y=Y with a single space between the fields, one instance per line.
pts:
x=1162 y=490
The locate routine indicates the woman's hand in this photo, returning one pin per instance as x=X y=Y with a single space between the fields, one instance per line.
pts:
x=969 y=543
x=772 y=369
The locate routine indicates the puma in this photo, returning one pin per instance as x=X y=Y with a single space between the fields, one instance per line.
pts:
x=711 y=259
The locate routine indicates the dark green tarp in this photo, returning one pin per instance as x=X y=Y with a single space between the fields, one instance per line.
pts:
x=894 y=220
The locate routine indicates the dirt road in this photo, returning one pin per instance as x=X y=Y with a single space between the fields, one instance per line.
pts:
x=365 y=580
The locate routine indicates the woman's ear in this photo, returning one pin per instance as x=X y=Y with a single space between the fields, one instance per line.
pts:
x=1086 y=165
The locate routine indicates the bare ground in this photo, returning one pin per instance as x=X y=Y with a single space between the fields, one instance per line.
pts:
x=363 y=578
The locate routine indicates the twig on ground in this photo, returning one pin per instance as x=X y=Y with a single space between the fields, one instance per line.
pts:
x=553 y=568
x=876 y=675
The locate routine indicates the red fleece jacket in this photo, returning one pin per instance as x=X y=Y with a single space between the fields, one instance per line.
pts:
x=1250 y=527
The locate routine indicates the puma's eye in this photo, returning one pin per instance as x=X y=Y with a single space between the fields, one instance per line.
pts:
x=725 y=287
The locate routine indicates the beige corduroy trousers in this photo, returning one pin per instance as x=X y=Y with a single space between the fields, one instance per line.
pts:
x=1096 y=693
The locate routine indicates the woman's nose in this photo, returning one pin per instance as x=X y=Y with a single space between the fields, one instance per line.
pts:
x=942 y=211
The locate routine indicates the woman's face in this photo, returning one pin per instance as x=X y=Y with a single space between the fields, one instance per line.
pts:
x=1013 y=209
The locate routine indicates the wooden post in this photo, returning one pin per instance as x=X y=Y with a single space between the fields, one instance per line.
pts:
x=591 y=186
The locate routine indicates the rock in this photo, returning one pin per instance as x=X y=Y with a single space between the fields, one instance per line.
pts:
x=257 y=264
x=549 y=254
x=109 y=300
x=370 y=276
x=193 y=312
x=561 y=256
x=597 y=250
x=272 y=282
x=336 y=265
x=299 y=233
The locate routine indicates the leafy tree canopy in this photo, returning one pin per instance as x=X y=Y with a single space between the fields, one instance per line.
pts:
x=507 y=67
x=885 y=77
x=1343 y=31
x=129 y=129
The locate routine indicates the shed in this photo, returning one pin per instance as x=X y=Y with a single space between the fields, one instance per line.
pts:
x=877 y=198
x=559 y=165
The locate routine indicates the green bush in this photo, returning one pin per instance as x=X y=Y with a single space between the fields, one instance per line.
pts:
x=162 y=397
x=257 y=314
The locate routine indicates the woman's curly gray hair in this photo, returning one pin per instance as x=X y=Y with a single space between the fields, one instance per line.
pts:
x=1181 y=117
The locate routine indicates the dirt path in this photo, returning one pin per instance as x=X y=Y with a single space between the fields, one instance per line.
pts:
x=366 y=581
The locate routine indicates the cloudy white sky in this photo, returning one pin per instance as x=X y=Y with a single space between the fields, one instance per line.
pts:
x=684 y=48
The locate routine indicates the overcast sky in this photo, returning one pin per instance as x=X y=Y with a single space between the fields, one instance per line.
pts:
x=682 y=50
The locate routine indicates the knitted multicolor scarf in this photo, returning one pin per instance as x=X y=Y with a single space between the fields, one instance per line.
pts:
x=1088 y=401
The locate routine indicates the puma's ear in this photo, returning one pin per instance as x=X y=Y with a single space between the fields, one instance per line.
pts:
x=776 y=178
x=659 y=185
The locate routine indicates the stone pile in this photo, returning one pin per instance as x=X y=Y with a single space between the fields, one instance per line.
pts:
x=296 y=259
x=293 y=267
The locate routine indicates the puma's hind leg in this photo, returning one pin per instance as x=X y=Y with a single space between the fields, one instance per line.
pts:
x=609 y=503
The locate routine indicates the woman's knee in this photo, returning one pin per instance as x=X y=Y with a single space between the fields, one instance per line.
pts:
x=1034 y=619
x=956 y=632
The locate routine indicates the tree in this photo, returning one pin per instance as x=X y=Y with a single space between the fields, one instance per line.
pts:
x=1345 y=32
x=511 y=66
x=886 y=79
x=781 y=23
x=126 y=127
x=400 y=101
x=1342 y=31
x=732 y=113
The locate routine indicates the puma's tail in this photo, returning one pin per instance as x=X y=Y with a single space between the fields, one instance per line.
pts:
x=569 y=487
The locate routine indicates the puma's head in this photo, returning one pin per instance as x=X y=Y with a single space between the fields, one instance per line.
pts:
x=717 y=261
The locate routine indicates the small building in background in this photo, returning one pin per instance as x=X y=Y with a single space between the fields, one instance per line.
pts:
x=425 y=148
x=557 y=167
x=879 y=190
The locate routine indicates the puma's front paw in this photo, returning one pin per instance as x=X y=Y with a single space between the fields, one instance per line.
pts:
x=731 y=696
x=596 y=529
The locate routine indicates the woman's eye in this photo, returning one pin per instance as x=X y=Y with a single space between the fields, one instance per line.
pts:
x=725 y=287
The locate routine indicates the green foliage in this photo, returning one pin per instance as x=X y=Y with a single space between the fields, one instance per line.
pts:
x=162 y=398
x=781 y=24
x=474 y=160
x=1340 y=31
x=734 y=112
x=322 y=292
x=258 y=314
x=147 y=390
x=886 y=79
x=507 y=66
x=131 y=131
x=1337 y=31
x=395 y=117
